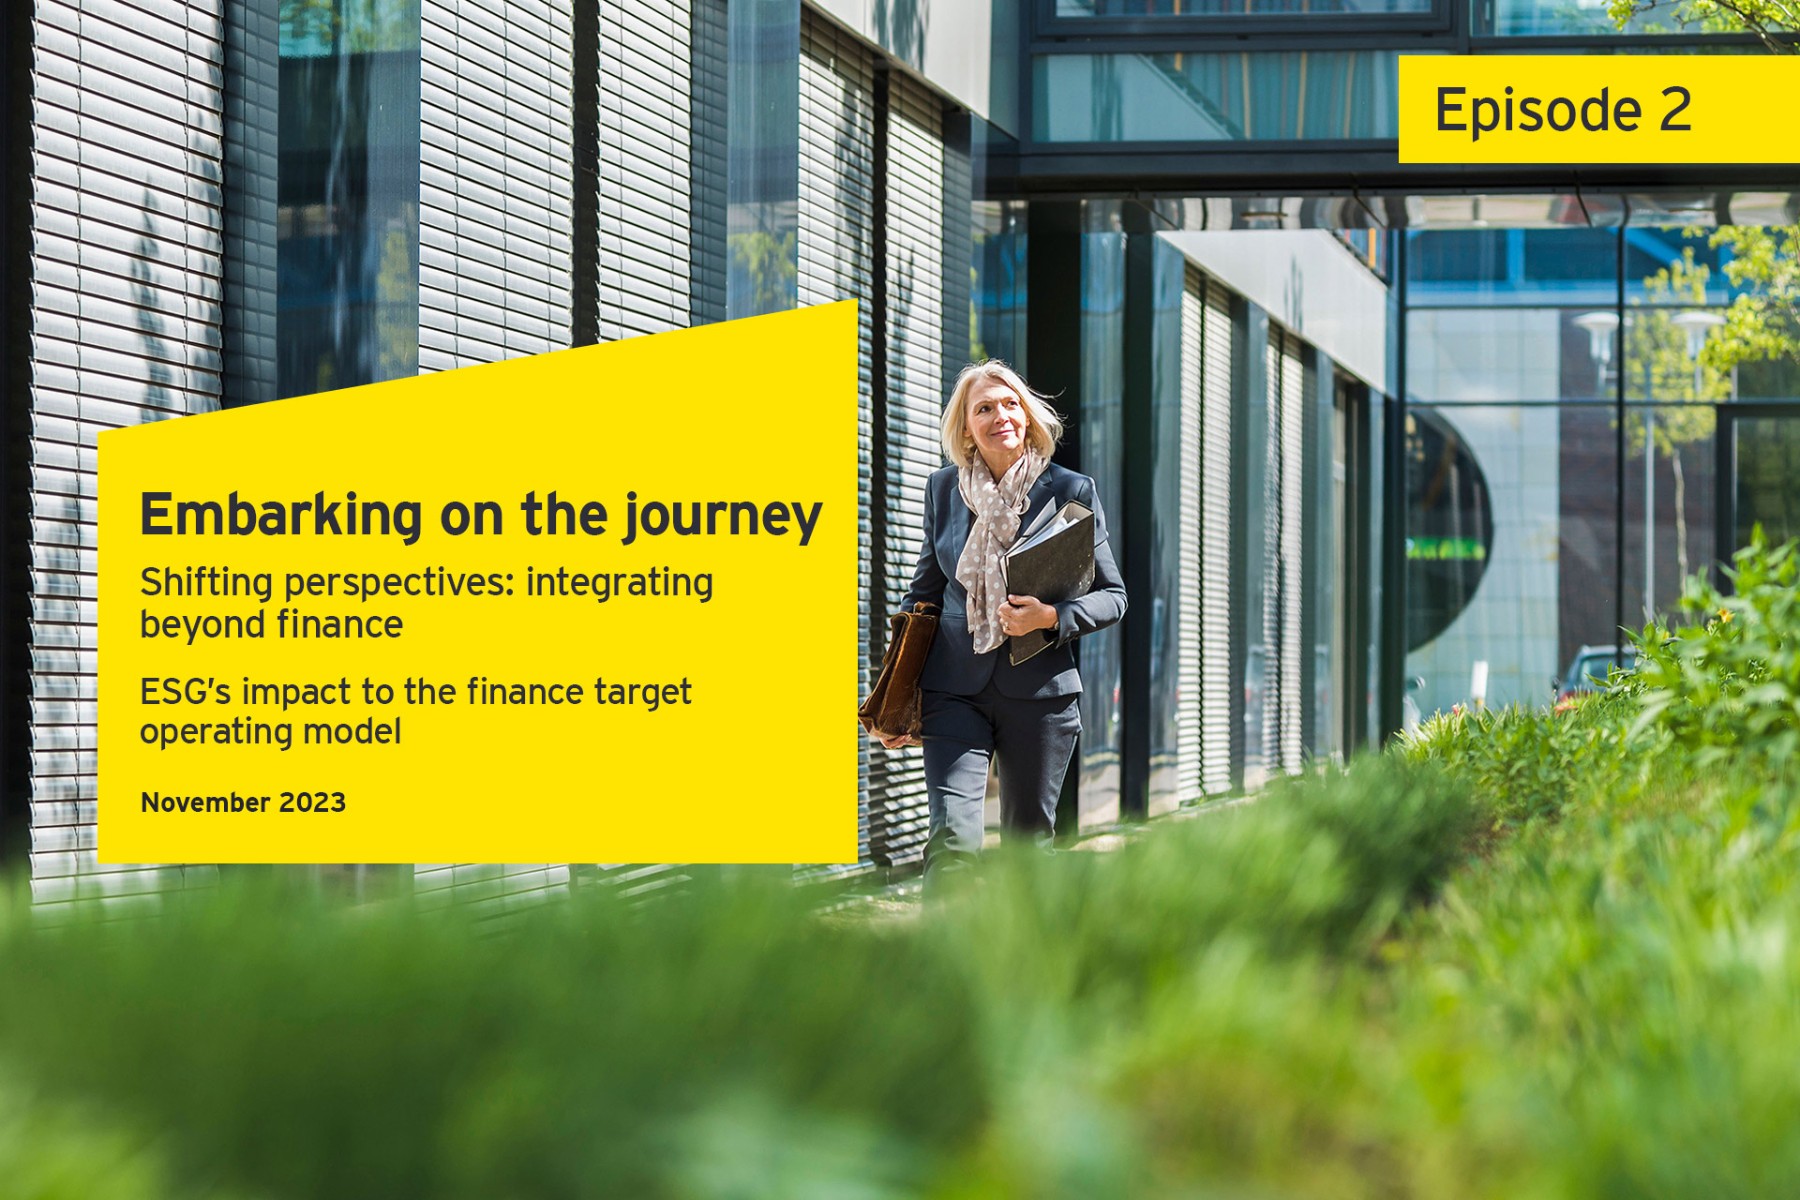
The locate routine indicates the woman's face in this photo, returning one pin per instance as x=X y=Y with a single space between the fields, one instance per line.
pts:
x=997 y=421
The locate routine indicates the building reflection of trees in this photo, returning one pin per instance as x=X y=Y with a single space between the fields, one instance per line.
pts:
x=1450 y=526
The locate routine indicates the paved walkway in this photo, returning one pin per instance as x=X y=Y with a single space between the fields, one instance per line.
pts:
x=903 y=899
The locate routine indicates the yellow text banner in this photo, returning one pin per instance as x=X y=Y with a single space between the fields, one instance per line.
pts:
x=1650 y=108
x=591 y=606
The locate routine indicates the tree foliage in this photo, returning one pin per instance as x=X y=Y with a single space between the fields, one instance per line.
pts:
x=1656 y=351
x=1767 y=19
x=350 y=26
x=1763 y=322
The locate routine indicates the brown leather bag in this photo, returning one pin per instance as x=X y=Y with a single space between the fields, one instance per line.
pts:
x=892 y=709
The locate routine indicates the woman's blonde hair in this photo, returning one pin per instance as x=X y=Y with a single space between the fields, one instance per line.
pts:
x=1042 y=434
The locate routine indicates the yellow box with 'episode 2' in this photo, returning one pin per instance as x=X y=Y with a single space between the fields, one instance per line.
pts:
x=1563 y=108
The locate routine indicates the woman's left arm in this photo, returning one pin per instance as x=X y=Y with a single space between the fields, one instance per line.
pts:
x=1104 y=603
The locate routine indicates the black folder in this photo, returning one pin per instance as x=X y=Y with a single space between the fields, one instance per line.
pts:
x=1054 y=562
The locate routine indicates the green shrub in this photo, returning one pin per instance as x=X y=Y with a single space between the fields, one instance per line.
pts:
x=55 y=1151
x=1527 y=765
x=285 y=1050
x=292 y=1051
x=1608 y=1003
x=1727 y=680
x=1545 y=954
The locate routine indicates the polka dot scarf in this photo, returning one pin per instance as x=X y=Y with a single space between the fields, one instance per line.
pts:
x=998 y=507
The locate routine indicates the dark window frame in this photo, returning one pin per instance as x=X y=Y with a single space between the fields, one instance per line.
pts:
x=1725 y=462
x=1441 y=17
x=1043 y=34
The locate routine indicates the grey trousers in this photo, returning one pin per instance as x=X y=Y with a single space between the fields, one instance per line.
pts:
x=1034 y=740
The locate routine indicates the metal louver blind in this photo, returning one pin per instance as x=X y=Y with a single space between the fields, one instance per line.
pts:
x=914 y=249
x=1273 y=626
x=661 y=210
x=252 y=100
x=127 y=276
x=637 y=882
x=495 y=180
x=1293 y=557
x=494 y=884
x=645 y=210
x=708 y=42
x=836 y=255
x=1189 y=602
x=1215 y=542
x=495 y=228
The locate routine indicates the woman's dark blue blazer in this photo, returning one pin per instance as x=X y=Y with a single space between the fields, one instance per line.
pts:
x=953 y=666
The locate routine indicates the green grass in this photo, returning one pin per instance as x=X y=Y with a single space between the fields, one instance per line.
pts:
x=1527 y=955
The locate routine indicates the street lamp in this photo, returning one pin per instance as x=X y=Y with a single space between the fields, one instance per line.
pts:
x=1696 y=323
x=1599 y=326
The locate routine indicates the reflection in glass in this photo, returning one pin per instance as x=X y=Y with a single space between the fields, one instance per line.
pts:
x=997 y=326
x=1589 y=18
x=1768 y=464
x=1267 y=96
x=1101 y=440
x=1676 y=484
x=1169 y=287
x=1675 y=266
x=1716 y=303
x=1665 y=360
x=348 y=217
x=1518 y=18
x=1332 y=596
x=1541 y=587
x=1508 y=211
x=1508 y=324
x=1536 y=268
x=762 y=173
x=1234 y=8
x=1449 y=525
x=1484 y=355
x=1261 y=487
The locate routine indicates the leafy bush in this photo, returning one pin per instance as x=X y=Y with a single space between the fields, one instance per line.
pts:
x=1321 y=867
x=1527 y=765
x=1727 y=681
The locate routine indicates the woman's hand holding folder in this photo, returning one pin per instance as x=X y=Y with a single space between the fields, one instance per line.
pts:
x=1022 y=614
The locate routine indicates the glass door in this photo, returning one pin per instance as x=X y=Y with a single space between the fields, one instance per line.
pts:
x=1759 y=473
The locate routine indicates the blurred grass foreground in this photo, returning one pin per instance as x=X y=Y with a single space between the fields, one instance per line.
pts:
x=1527 y=954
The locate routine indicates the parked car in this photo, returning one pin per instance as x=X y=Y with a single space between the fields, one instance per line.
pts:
x=1588 y=671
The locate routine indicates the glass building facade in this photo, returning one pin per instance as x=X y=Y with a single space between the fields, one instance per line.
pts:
x=1372 y=440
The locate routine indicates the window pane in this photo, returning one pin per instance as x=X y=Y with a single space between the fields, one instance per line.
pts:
x=1677 y=485
x=1682 y=288
x=1167 y=471
x=1528 y=17
x=1510 y=544
x=1101 y=437
x=1588 y=18
x=1270 y=96
x=1768 y=462
x=1234 y=8
x=1481 y=355
x=1527 y=267
x=348 y=213
x=998 y=233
